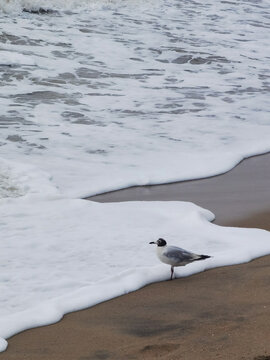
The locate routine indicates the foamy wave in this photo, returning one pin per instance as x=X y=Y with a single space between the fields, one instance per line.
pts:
x=8 y=187
x=105 y=99
x=18 y=179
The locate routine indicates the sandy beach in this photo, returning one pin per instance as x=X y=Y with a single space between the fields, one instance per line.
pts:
x=219 y=314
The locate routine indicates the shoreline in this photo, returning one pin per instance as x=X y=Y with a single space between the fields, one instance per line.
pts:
x=228 y=322
x=233 y=196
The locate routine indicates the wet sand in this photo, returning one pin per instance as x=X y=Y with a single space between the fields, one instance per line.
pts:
x=238 y=194
x=222 y=313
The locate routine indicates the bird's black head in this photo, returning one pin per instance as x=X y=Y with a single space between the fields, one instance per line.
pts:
x=159 y=242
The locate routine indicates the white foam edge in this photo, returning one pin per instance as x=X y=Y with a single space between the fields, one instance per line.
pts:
x=224 y=166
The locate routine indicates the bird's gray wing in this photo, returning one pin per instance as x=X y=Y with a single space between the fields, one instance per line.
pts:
x=179 y=254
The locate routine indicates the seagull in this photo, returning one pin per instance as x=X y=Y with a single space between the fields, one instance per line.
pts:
x=175 y=256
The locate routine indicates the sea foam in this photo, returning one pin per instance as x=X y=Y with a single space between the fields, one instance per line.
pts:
x=62 y=255
x=110 y=95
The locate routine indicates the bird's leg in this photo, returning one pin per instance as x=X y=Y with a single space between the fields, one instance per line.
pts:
x=172 y=272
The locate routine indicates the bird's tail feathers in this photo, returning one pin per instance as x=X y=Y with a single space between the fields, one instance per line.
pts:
x=203 y=257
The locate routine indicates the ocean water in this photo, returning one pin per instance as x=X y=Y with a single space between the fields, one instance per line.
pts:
x=102 y=95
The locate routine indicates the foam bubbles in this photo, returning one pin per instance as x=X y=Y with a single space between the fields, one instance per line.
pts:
x=8 y=185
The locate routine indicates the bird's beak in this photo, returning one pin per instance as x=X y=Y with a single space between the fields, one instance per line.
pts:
x=152 y=242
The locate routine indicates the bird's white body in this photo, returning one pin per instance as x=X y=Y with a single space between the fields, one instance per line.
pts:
x=163 y=251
